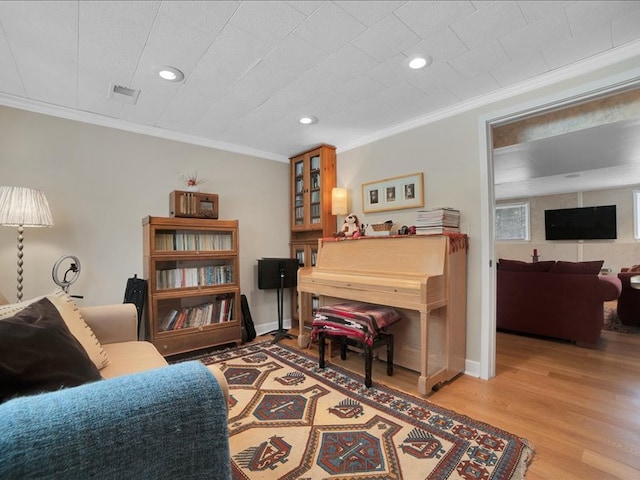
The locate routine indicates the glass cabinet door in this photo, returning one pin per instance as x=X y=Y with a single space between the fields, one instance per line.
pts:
x=299 y=193
x=315 y=192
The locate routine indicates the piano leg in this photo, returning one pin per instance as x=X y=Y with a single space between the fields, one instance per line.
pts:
x=423 y=388
x=304 y=299
x=422 y=385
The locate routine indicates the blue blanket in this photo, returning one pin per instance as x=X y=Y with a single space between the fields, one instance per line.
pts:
x=168 y=423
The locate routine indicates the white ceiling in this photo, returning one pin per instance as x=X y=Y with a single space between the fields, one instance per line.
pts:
x=606 y=156
x=252 y=68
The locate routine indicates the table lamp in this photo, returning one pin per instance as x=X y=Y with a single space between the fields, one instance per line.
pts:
x=339 y=201
x=23 y=207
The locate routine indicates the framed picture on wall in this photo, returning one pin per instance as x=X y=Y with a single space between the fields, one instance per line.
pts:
x=393 y=193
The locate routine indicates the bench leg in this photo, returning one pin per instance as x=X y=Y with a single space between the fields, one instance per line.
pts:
x=368 y=364
x=390 y=355
x=321 y=349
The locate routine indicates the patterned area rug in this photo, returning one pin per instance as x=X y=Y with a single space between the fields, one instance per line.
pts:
x=613 y=323
x=290 y=420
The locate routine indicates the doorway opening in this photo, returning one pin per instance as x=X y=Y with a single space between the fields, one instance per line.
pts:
x=586 y=98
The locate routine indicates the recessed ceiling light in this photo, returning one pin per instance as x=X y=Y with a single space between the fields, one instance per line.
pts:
x=416 y=63
x=170 y=74
x=308 y=120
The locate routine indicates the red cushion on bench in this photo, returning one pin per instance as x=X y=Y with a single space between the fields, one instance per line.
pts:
x=362 y=321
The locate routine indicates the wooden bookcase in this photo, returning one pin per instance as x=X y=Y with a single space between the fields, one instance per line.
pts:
x=192 y=269
x=313 y=176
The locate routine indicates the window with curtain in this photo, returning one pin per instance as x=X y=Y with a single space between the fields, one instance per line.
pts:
x=512 y=221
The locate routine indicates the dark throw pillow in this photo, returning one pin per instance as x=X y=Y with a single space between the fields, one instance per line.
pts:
x=518 y=266
x=586 y=268
x=38 y=353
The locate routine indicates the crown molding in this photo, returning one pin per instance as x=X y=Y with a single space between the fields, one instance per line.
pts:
x=110 y=122
x=602 y=60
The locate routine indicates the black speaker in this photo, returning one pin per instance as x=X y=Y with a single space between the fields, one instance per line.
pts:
x=246 y=318
x=278 y=274
x=274 y=273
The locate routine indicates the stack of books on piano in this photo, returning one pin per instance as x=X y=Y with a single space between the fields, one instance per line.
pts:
x=437 y=220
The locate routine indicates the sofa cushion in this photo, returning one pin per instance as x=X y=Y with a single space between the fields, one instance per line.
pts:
x=131 y=357
x=586 y=268
x=74 y=321
x=519 y=266
x=38 y=353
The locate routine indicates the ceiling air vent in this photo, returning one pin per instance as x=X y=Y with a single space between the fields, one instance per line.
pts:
x=123 y=94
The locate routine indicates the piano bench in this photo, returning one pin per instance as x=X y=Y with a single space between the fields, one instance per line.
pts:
x=357 y=324
x=381 y=339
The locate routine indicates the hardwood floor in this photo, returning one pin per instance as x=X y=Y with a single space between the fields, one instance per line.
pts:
x=579 y=408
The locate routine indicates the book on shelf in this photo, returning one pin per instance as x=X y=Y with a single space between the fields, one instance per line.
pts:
x=180 y=320
x=436 y=230
x=438 y=217
x=168 y=320
x=185 y=240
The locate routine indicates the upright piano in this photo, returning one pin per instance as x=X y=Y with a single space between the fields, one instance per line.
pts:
x=422 y=276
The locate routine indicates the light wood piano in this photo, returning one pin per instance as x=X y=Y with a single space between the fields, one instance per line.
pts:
x=422 y=276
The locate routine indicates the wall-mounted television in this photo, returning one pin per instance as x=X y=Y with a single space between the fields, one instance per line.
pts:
x=585 y=223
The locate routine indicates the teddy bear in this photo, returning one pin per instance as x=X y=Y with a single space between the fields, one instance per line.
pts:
x=351 y=227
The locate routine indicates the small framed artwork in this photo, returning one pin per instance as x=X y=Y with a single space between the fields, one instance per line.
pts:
x=393 y=193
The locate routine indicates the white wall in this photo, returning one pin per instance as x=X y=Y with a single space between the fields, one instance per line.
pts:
x=448 y=152
x=451 y=179
x=101 y=183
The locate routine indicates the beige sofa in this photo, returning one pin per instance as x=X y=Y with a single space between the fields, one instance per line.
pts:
x=115 y=327
x=145 y=420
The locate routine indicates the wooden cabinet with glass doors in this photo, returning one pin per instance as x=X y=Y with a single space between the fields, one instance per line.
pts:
x=192 y=270
x=313 y=176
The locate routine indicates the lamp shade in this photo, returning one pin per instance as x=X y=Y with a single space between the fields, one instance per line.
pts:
x=24 y=206
x=338 y=201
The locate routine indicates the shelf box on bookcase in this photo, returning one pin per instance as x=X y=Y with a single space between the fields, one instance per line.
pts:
x=197 y=273
x=194 y=312
x=193 y=241
x=193 y=204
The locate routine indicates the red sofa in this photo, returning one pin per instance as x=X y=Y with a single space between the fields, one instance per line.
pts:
x=563 y=300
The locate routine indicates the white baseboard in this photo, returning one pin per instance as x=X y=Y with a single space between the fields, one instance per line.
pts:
x=472 y=368
x=270 y=327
